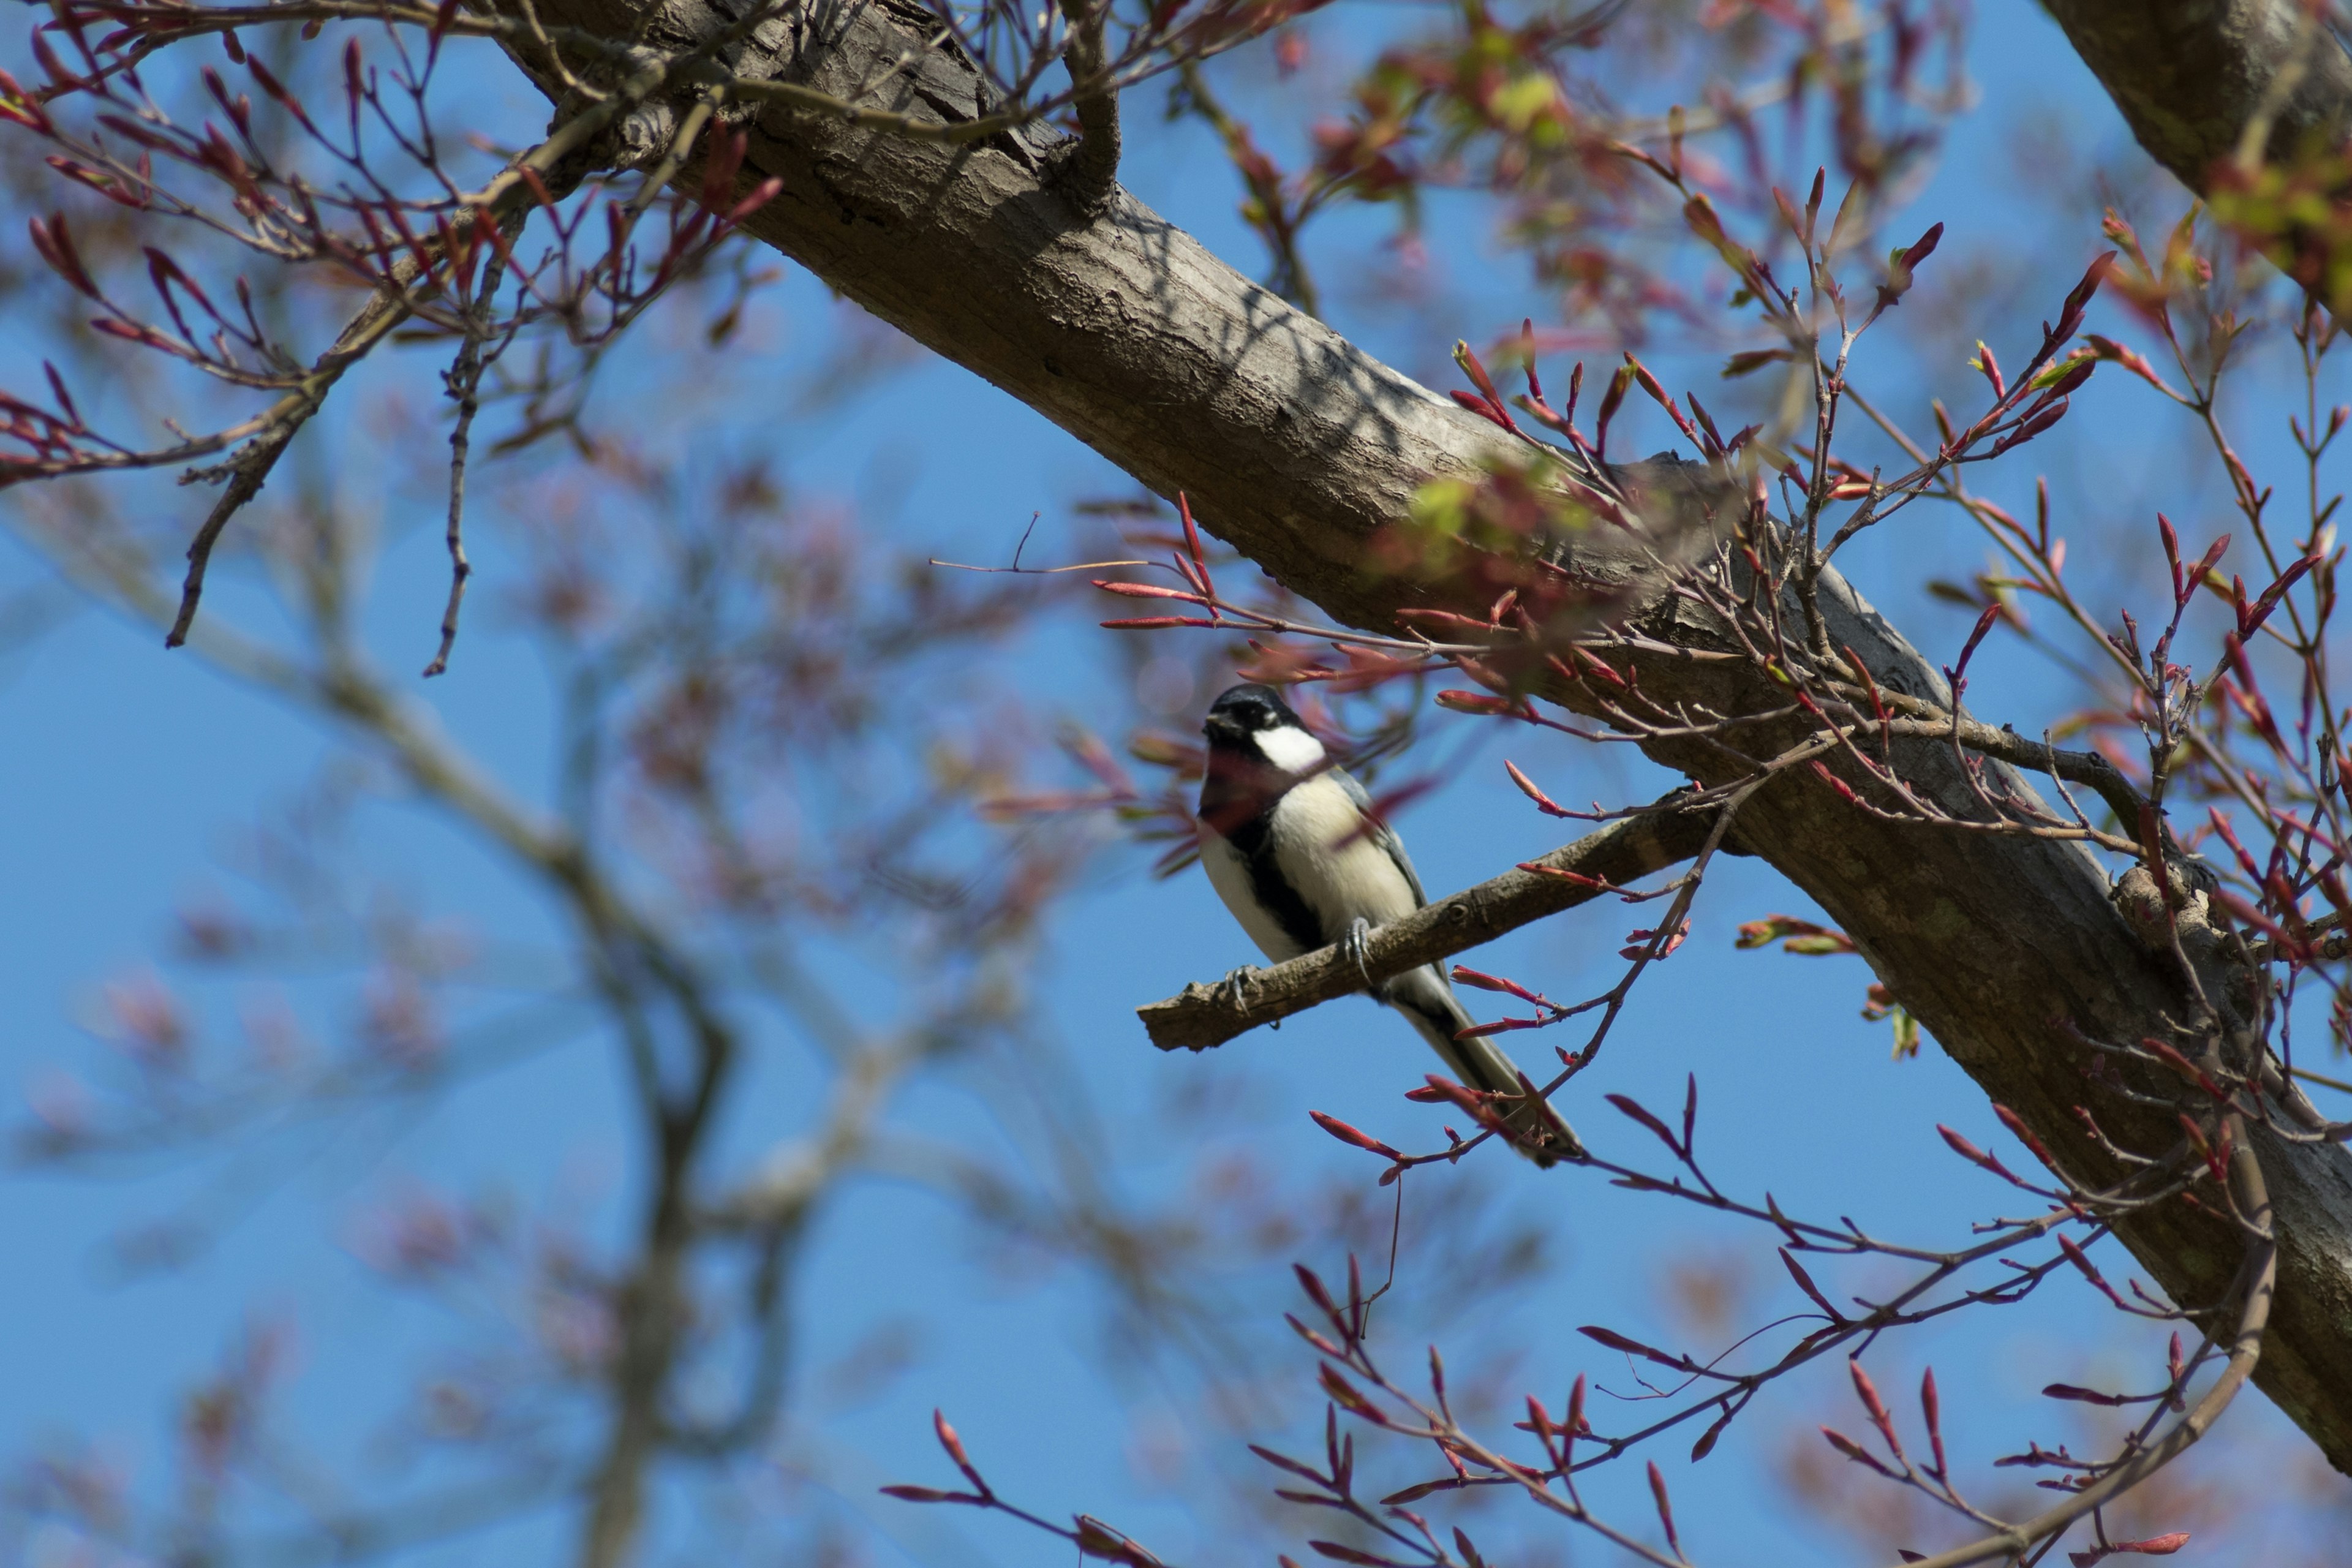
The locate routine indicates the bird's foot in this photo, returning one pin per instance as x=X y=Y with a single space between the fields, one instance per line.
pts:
x=1236 y=985
x=1356 y=944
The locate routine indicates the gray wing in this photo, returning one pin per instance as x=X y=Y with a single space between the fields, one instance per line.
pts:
x=1381 y=833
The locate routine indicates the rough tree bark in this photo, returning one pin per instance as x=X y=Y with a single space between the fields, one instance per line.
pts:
x=1294 y=447
x=2190 y=75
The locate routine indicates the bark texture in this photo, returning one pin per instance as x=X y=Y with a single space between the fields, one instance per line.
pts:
x=1294 y=447
x=2190 y=75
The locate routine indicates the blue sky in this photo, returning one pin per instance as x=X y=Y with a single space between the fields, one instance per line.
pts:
x=131 y=776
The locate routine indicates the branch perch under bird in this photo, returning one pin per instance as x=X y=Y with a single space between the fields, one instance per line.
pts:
x=1601 y=862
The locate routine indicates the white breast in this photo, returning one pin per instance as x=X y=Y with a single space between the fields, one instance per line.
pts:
x=1231 y=877
x=1343 y=873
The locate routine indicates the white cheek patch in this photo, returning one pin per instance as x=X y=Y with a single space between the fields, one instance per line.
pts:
x=1291 y=749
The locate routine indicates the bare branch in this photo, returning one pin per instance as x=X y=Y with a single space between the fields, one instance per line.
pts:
x=2258 y=1277
x=1202 y=1015
x=508 y=200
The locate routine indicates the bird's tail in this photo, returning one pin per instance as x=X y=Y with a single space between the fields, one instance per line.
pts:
x=1536 y=1130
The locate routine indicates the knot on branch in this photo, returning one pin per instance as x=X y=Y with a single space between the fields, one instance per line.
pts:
x=2185 y=911
x=641 y=136
x=2181 y=906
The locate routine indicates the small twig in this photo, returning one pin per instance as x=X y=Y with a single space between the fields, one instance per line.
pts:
x=2322 y=1079
x=250 y=468
x=508 y=199
x=1278 y=219
x=465 y=385
x=1089 y=175
x=2328 y=937
x=2087 y=768
x=2259 y=1277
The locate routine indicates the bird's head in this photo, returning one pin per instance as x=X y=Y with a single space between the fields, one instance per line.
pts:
x=1254 y=722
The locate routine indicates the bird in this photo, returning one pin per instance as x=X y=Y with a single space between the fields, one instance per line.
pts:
x=1293 y=846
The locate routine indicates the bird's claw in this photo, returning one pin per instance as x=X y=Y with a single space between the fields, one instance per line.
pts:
x=1356 y=944
x=1235 y=985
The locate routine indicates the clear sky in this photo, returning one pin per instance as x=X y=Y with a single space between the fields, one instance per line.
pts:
x=132 y=779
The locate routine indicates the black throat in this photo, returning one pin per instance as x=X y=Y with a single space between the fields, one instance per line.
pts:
x=1238 y=797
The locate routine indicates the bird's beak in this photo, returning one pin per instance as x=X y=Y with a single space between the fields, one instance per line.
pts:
x=1220 y=728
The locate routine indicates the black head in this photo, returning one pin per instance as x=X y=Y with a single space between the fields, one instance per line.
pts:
x=1242 y=711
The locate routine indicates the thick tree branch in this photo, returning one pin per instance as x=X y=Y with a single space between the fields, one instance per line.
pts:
x=2193 y=76
x=1202 y=1015
x=1294 y=447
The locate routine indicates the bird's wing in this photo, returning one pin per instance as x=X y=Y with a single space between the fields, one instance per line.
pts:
x=1381 y=833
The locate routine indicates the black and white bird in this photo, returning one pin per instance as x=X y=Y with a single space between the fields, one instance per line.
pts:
x=1291 y=845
